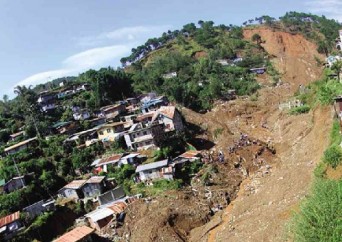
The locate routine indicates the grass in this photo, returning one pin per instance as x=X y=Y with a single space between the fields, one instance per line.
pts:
x=158 y=187
x=299 y=110
x=320 y=215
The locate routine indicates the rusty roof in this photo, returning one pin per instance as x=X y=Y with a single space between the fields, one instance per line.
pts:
x=110 y=107
x=95 y=179
x=118 y=207
x=144 y=116
x=20 y=144
x=167 y=111
x=190 y=154
x=76 y=234
x=75 y=184
x=17 y=134
x=111 y=159
x=9 y=219
x=112 y=124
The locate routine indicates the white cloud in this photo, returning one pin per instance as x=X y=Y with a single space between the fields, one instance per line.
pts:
x=93 y=58
x=330 y=8
x=118 y=43
x=123 y=34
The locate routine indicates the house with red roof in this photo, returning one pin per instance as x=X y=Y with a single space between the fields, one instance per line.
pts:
x=10 y=225
x=82 y=233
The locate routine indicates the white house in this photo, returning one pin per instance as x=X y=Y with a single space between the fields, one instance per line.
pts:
x=155 y=170
x=142 y=138
x=170 y=117
x=81 y=115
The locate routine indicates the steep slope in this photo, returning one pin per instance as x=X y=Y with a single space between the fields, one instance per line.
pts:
x=264 y=204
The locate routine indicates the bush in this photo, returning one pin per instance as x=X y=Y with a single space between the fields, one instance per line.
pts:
x=299 y=110
x=333 y=156
x=320 y=215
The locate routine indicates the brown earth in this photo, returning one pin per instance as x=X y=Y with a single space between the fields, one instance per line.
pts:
x=263 y=188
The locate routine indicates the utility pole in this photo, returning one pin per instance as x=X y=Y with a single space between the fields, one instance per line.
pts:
x=19 y=175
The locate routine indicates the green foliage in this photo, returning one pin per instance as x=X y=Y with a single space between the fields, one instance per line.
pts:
x=333 y=156
x=299 y=110
x=158 y=187
x=120 y=174
x=335 y=135
x=320 y=215
x=319 y=29
x=217 y=132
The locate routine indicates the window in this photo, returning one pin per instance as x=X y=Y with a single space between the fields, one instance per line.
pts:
x=144 y=133
x=101 y=132
x=108 y=130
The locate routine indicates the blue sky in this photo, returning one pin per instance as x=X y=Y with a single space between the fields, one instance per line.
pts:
x=42 y=40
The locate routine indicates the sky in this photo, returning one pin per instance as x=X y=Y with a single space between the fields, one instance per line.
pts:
x=42 y=40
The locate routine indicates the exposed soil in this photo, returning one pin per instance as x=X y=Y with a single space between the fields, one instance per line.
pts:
x=261 y=188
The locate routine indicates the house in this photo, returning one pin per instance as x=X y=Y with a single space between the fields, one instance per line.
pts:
x=46 y=97
x=78 y=234
x=191 y=155
x=111 y=131
x=15 y=136
x=170 y=117
x=112 y=111
x=170 y=75
x=259 y=70
x=145 y=118
x=9 y=226
x=94 y=186
x=83 y=87
x=65 y=127
x=132 y=101
x=100 y=218
x=128 y=120
x=73 y=190
x=81 y=115
x=14 y=184
x=141 y=138
x=111 y=196
x=147 y=97
x=40 y=207
x=111 y=160
x=155 y=170
x=132 y=159
x=21 y=146
x=67 y=92
x=330 y=60
x=154 y=104
x=97 y=121
x=87 y=137
x=47 y=107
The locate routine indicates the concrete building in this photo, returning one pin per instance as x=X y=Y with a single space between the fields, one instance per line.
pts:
x=10 y=225
x=20 y=146
x=111 y=131
x=14 y=184
x=73 y=190
x=94 y=186
x=142 y=138
x=170 y=117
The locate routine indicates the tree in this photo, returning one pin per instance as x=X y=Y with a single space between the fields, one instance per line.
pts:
x=256 y=38
x=337 y=67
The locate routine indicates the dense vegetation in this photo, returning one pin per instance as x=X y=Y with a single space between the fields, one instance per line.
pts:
x=319 y=218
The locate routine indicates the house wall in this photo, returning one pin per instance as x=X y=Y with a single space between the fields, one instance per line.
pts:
x=92 y=189
x=111 y=195
x=13 y=151
x=71 y=193
x=35 y=209
x=150 y=174
x=111 y=133
x=14 y=185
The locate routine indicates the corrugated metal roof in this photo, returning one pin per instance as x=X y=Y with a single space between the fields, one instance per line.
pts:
x=75 y=184
x=99 y=214
x=20 y=144
x=132 y=155
x=151 y=166
x=112 y=159
x=9 y=219
x=76 y=234
x=190 y=154
x=118 y=207
x=95 y=179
